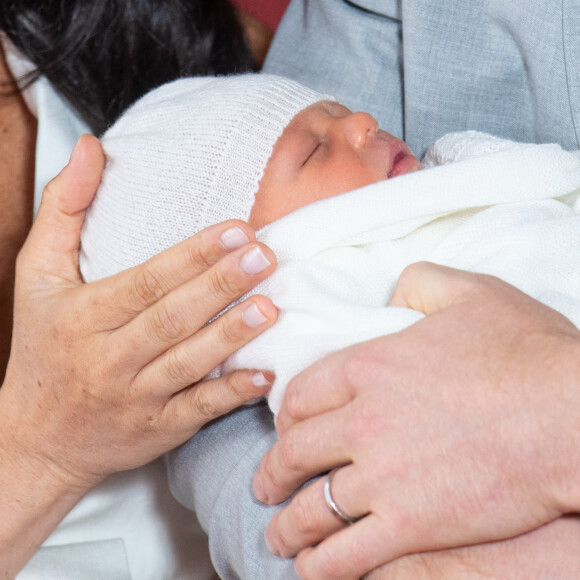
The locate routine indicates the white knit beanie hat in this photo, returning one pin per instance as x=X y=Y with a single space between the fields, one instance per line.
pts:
x=187 y=155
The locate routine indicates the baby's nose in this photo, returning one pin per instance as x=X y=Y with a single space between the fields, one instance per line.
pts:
x=358 y=127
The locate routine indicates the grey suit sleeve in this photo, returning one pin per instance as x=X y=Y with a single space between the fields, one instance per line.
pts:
x=349 y=49
x=212 y=475
x=425 y=68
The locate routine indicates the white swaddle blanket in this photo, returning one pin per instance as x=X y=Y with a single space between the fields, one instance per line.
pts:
x=486 y=205
x=505 y=209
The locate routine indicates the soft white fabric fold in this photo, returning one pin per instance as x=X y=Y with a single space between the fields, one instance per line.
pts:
x=492 y=206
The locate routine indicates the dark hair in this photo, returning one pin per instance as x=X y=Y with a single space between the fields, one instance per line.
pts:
x=102 y=55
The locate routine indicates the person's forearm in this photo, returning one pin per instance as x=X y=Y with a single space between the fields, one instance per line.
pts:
x=33 y=498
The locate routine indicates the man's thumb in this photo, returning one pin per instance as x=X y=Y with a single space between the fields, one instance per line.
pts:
x=430 y=288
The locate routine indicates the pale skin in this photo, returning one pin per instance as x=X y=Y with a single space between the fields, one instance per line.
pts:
x=327 y=150
x=432 y=466
x=324 y=151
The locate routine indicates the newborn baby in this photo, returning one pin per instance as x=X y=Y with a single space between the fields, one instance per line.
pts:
x=324 y=151
x=268 y=150
x=199 y=151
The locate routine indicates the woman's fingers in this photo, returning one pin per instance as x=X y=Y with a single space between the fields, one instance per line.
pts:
x=122 y=297
x=179 y=315
x=51 y=250
x=211 y=399
x=192 y=359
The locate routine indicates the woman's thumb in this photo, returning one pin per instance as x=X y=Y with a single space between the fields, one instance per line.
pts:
x=52 y=247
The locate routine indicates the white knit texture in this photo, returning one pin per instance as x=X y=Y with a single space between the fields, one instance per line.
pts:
x=187 y=155
x=502 y=208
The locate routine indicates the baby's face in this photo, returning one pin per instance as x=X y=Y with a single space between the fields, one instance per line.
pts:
x=324 y=151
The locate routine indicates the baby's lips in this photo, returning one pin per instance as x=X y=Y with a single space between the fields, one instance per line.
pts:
x=401 y=160
x=404 y=162
x=395 y=151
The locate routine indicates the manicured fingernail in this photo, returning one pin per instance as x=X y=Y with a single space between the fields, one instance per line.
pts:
x=75 y=149
x=254 y=261
x=261 y=381
x=253 y=317
x=234 y=238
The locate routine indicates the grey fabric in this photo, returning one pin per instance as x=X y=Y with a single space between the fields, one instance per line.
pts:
x=507 y=68
x=422 y=68
x=354 y=53
x=212 y=475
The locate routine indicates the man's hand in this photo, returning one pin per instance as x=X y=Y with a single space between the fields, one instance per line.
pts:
x=548 y=552
x=461 y=429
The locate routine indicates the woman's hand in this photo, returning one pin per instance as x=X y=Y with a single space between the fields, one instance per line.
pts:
x=463 y=428
x=105 y=376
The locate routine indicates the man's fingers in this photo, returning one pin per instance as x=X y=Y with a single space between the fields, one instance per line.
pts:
x=51 y=250
x=304 y=522
x=307 y=519
x=192 y=359
x=324 y=386
x=345 y=555
x=302 y=452
x=429 y=288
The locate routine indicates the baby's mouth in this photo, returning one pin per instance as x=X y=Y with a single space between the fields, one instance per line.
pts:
x=402 y=160
x=403 y=163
